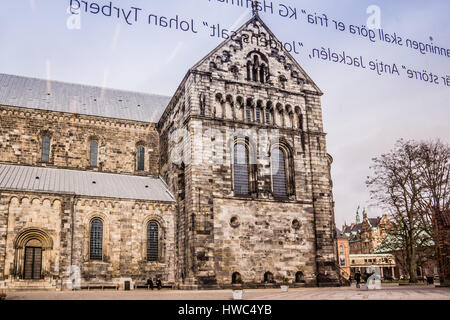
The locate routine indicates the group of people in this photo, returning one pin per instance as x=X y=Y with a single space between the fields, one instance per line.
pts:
x=359 y=277
x=158 y=283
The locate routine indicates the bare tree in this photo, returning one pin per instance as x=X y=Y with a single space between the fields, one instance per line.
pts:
x=410 y=182
x=434 y=166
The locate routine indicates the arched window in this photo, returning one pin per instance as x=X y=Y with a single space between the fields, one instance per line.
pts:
x=45 y=149
x=96 y=240
x=248 y=111
x=249 y=70
x=262 y=73
x=241 y=170
x=140 y=158
x=257 y=67
x=202 y=105
x=93 y=154
x=279 y=184
x=267 y=115
x=258 y=115
x=152 y=241
x=300 y=121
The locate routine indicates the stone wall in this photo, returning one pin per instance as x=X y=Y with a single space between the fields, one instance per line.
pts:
x=22 y=130
x=256 y=237
x=56 y=220
x=207 y=113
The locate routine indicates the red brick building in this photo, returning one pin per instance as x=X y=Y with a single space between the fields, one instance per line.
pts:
x=441 y=224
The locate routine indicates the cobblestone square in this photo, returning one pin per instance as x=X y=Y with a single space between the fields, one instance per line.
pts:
x=342 y=293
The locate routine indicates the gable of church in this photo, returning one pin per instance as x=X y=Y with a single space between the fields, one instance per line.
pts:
x=254 y=54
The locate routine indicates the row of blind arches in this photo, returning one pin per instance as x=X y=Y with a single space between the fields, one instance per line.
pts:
x=255 y=111
x=281 y=171
x=93 y=153
x=96 y=240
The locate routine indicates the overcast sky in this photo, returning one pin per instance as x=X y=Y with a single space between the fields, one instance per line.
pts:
x=364 y=113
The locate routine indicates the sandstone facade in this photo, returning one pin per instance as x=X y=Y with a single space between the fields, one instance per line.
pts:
x=225 y=219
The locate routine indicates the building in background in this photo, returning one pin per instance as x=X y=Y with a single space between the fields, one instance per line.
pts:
x=368 y=262
x=366 y=235
x=441 y=224
x=343 y=253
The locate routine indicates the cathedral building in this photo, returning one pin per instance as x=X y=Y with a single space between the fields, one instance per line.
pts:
x=227 y=179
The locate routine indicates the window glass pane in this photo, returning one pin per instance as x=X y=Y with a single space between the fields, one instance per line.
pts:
x=279 y=173
x=94 y=153
x=241 y=173
x=248 y=113
x=258 y=115
x=152 y=241
x=96 y=241
x=141 y=158
x=267 y=115
x=45 y=149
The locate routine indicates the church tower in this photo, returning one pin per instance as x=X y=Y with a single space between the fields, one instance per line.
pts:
x=244 y=152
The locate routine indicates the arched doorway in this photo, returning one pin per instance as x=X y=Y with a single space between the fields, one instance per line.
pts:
x=32 y=269
x=32 y=256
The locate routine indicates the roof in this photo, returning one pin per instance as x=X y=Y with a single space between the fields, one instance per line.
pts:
x=50 y=95
x=340 y=234
x=353 y=228
x=83 y=183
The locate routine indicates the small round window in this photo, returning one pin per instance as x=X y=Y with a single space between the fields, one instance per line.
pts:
x=234 y=222
x=296 y=224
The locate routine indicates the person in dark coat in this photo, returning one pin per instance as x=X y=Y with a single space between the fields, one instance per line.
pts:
x=357 y=278
x=158 y=284
x=150 y=283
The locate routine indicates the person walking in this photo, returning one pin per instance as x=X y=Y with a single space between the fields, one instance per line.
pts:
x=357 y=278
x=150 y=283
x=158 y=284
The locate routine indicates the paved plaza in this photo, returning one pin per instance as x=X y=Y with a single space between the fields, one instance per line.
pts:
x=388 y=292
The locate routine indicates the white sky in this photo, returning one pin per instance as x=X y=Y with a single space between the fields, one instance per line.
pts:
x=364 y=114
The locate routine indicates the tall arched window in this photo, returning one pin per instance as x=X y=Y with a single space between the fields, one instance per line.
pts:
x=140 y=158
x=248 y=111
x=45 y=149
x=152 y=241
x=262 y=73
x=267 y=112
x=202 y=105
x=257 y=67
x=93 y=154
x=300 y=121
x=258 y=115
x=96 y=240
x=241 y=170
x=279 y=181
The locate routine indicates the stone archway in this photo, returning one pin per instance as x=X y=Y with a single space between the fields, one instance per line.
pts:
x=32 y=248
